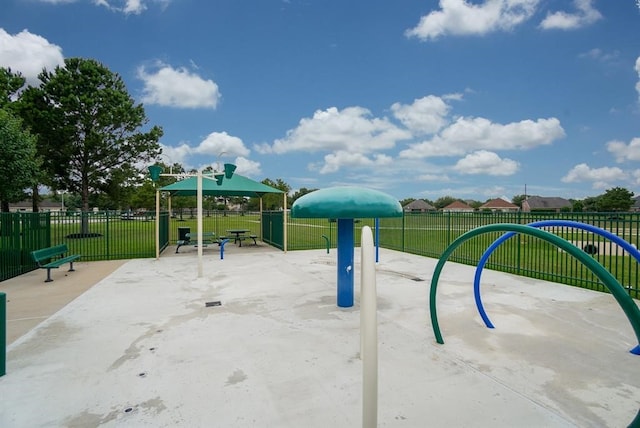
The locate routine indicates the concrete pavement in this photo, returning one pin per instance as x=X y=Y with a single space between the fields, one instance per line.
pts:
x=258 y=341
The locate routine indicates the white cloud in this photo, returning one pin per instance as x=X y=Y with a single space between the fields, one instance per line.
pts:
x=485 y=162
x=434 y=178
x=334 y=161
x=175 y=154
x=217 y=143
x=466 y=135
x=601 y=178
x=349 y=130
x=597 y=54
x=624 y=152
x=585 y=15
x=459 y=17
x=167 y=86
x=638 y=71
x=214 y=148
x=247 y=167
x=28 y=53
x=426 y=115
x=128 y=7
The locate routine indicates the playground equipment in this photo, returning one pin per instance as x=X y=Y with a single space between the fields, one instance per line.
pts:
x=345 y=203
x=625 y=301
x=633 y=251
x=368 y=331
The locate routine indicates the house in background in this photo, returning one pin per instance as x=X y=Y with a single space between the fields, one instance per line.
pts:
x=636 y=205
x=458 y=207
x=27 y=206
x=539 y=203
x=418 y=206
x=500 y=205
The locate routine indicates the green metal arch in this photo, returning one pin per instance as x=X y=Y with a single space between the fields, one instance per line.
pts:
x=625 y=301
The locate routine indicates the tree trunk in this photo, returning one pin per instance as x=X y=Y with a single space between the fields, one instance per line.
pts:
x=35 y=196
x=84 y=215
x=4 y=206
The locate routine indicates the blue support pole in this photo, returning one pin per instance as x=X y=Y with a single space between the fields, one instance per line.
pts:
x=345 y=262
x=222 y=244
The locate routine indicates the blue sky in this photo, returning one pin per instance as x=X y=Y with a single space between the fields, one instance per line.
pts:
x=421 y=99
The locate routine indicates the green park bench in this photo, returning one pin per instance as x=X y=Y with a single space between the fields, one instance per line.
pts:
x=53 y=258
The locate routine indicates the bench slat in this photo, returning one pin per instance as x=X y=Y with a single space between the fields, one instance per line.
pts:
x=53 y=258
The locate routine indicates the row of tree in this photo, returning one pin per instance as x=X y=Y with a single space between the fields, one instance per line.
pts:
x=614 y=199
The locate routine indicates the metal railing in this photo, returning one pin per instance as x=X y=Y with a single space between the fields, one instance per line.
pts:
x=429 y=234
x=112 y=235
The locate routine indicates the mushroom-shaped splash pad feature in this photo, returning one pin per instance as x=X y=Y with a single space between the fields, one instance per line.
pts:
x=346 y=203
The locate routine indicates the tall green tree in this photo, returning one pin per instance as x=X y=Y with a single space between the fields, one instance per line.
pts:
x=406 y=201
x=300 y=193
x=97 y=129
x=444 y=201
x=591 y=203
x=10 y=84
x=45 y=124
x=274 y=201
x=18 y=160
x=518 y=200
x=616 y=199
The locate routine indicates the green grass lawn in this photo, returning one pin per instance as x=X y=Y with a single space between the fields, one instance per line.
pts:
x=427 y=235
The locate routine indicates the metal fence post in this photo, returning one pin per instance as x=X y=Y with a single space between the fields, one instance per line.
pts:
x=3 y=334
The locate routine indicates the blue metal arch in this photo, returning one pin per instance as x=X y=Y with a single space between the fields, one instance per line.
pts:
x=625 y=301
x=633 y=251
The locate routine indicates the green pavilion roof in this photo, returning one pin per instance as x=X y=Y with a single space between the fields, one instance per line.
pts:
x=237 y=185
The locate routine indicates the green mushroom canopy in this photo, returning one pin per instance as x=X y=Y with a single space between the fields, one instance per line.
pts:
x=346 y=202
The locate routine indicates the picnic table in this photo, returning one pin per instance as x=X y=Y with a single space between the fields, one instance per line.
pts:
x=192 y=239
x=240 y=236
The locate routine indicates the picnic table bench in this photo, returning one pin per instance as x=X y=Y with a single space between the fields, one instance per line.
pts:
x=207 y=238
x=239 y=236
x=243 y=237
x=53 y=258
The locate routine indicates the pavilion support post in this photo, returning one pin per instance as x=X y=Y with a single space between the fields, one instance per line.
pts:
x=284 y=220
x=157 y=224
x=345 y=262
x=199 y=221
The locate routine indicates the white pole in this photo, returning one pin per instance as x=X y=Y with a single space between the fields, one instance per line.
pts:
x=284 y=221
x=157 y=224
x=368 y=330
x=199 y=238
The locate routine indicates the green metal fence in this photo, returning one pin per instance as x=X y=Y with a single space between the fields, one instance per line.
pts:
x=21 y=233
x=104 y=235
x=273 y=228
x=111 y=235
x=429 y=234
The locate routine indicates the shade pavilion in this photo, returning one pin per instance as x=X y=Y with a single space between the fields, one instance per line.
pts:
x=203 y=185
